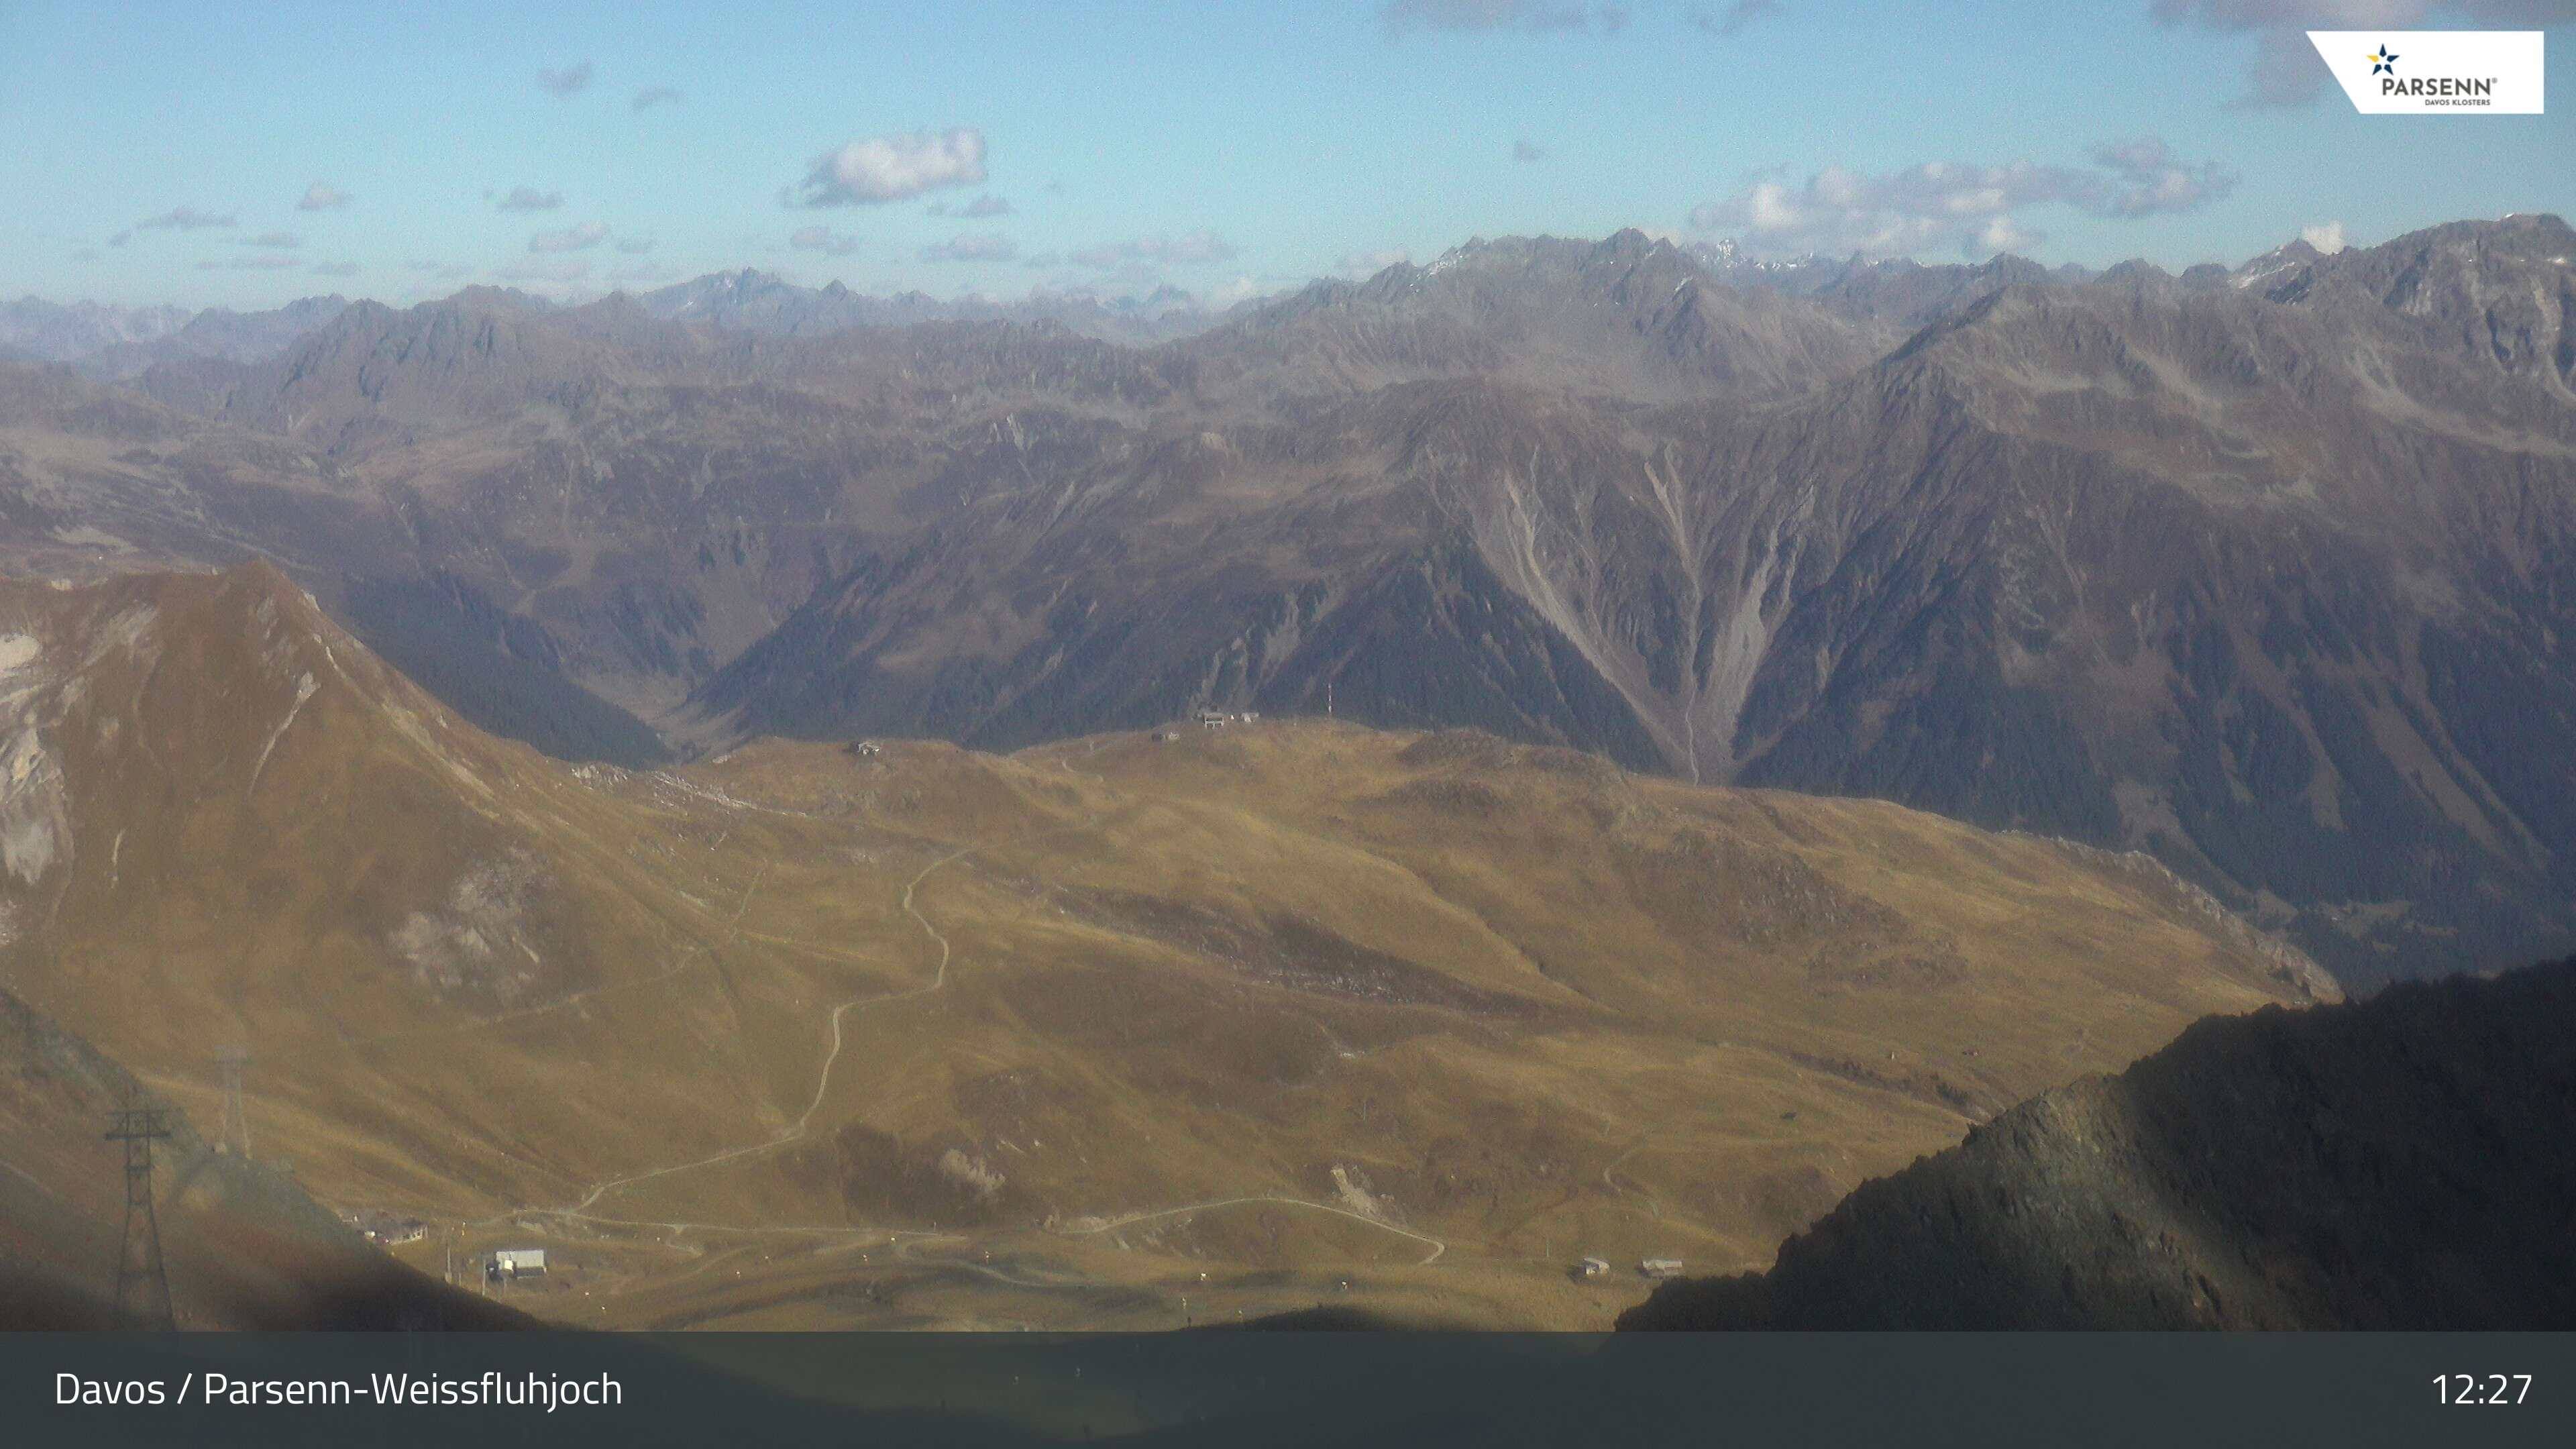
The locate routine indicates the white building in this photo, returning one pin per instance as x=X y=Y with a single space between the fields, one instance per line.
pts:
x=518 y=1262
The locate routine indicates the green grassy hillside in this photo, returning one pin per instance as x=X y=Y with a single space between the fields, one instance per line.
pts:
x=807 y=1037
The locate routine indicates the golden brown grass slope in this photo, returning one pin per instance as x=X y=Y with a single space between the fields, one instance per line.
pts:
x=243 y=1245
x=803 y=1036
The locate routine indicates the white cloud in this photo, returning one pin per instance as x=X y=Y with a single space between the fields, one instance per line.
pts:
x=1369 y=264
x=335 y=269
x=2154 y=180
x=880 y=169
x=276 y=240
x=1499 y=15
x=531 y=269
x=528 y=198
x=1948 y=206
x=2003 y=234
x=1241 y=289
x=1197 y=248
x=823 y=239
x=651 y=96
x=569 y=81
x=1738 y=15
x=988 y=247
x=571 y=239
x=982 y=206
x=323 y=196
x=1457 y=14
x=182 y=218
x=2326 y=237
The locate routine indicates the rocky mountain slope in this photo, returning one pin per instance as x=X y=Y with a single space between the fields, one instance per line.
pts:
x=2402 y=1163
x=1260 y=1008
x=2262 y=571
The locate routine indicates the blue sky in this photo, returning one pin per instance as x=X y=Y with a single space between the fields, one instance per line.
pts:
x=159 y=152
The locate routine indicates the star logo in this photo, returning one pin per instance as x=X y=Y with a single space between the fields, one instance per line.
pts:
x=2382 y=60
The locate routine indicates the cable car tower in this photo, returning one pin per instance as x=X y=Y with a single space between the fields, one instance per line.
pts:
x=142 y=1279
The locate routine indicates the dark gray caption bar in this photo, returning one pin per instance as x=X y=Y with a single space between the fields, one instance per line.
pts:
x=1289 y=1388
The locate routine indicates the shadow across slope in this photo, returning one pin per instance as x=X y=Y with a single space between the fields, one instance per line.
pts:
x=2405 y=1162
x=246 y=1247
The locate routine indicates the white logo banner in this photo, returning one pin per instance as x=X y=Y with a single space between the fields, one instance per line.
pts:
x=2435 y=72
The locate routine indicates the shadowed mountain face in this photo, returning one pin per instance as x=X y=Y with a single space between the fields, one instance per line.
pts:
x=2401 y=1163
x=2265 y=572
x=1057 y=1037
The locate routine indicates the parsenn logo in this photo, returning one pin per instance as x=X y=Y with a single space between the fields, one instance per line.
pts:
x=2448 y=72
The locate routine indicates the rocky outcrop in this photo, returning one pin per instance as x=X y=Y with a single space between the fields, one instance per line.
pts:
x=2401 y=1163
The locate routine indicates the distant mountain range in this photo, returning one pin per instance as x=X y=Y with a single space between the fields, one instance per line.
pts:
x=123 y=343
x=753 y=301
x=2264 y=569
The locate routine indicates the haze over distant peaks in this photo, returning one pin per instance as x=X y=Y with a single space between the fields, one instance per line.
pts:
x=2261 y=569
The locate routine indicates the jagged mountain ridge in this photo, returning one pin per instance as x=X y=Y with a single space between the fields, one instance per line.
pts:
x=757 y=301
x=2100 y=557
x=1920 y=582
x=45 y=331
x=123 y=343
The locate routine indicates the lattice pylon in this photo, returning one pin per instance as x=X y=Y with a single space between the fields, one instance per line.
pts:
x=142 y=1278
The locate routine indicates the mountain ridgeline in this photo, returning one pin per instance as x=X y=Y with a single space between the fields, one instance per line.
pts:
x=2400 y=1163
x=2263 y=571
x=914 y=1036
